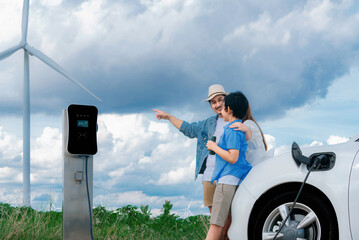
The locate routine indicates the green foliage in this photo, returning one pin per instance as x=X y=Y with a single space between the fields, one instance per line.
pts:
x=26 y=223
x=129 y=222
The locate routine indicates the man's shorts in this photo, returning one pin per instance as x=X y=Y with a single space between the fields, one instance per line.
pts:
x=208 y=192
x=222 y=202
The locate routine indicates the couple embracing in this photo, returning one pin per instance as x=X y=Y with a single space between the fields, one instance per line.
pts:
x=239 y=144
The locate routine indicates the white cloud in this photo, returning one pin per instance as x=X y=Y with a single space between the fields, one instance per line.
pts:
x=136 y=152
x=316 y=144
x=90 y=17
x=10 y=145
x=12 y=15
x=46 y=157
x=271 y=145
x=324 y=20
x=120 y=172
x=263 y=32
x=48 y=147
x=270 y=141
x=51 y=2
x=132 y=149
x=145 y=160
x=131 y=197
x=125 y=43
x=8 y=174
x=178 y=176
x=336 y=139
x=124 y=127
x=161 y=128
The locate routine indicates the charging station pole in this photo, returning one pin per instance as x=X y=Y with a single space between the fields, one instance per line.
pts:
x=79 y=144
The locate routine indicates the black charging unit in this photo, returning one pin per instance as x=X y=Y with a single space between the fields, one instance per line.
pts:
x=82 y=128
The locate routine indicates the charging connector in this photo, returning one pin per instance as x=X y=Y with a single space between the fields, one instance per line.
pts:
x=326 y=159
x=316 y=164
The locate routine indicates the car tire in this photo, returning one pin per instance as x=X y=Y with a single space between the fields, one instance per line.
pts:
x=314 y=217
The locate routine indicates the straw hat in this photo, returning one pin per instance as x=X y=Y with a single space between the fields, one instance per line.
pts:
x=214 y=90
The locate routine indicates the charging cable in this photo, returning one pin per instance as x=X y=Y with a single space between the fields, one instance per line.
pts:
x=88 y=198
x=315 y=165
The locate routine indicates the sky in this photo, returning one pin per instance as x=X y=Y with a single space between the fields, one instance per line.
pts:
x=296 y=61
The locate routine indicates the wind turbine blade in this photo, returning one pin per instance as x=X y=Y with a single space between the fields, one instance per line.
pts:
x=9 y=51
x=57 y=67
x=25 y=20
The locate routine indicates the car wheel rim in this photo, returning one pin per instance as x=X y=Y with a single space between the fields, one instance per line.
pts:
x=303 y=223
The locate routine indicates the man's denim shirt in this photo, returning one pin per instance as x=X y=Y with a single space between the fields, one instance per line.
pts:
x=201 y=130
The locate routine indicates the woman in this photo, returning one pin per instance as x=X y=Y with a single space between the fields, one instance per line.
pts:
x=257 y=146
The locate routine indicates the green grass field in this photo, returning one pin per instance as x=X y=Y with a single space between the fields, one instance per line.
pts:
x=129 y=222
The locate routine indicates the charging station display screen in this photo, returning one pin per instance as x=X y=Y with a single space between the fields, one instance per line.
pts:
x=83 y=123
x=82 y=126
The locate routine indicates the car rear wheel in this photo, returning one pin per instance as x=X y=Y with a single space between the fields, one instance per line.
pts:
x=311 y=219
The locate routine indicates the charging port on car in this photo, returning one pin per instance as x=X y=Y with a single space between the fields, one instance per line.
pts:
x=323 y=161
x=327 y=161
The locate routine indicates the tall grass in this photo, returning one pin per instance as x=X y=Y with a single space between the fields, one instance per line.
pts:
x=26 y=223
x=129 y=222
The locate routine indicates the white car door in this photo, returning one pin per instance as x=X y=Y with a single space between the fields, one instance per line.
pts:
x=354 y=198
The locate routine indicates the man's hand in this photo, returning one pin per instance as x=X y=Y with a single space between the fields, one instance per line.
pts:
x=161 y=115
x=211 y=145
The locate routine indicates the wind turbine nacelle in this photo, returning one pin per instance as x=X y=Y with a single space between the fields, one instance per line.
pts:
x=82 y=130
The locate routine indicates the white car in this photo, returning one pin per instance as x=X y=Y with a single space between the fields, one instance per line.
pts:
x=328 y=206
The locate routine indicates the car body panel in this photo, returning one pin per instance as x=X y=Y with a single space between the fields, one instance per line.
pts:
x=282 y=169
x=354 y=198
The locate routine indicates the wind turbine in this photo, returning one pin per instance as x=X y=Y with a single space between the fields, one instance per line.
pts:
x=26 y=92
x=187 y=212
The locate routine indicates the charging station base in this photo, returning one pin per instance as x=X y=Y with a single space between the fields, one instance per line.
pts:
x=75 y=208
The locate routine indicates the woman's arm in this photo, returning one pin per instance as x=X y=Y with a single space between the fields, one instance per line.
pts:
x=230 y=156
x=241 y=127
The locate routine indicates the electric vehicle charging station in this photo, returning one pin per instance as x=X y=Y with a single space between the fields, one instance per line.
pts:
x=79 y=146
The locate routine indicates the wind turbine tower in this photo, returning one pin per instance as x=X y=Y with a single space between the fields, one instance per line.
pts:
x=26 y=92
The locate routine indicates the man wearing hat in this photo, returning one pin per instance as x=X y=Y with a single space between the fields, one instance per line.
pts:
x=203 y=131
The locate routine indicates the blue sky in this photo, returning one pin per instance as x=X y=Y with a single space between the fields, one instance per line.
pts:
x=297 y=61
